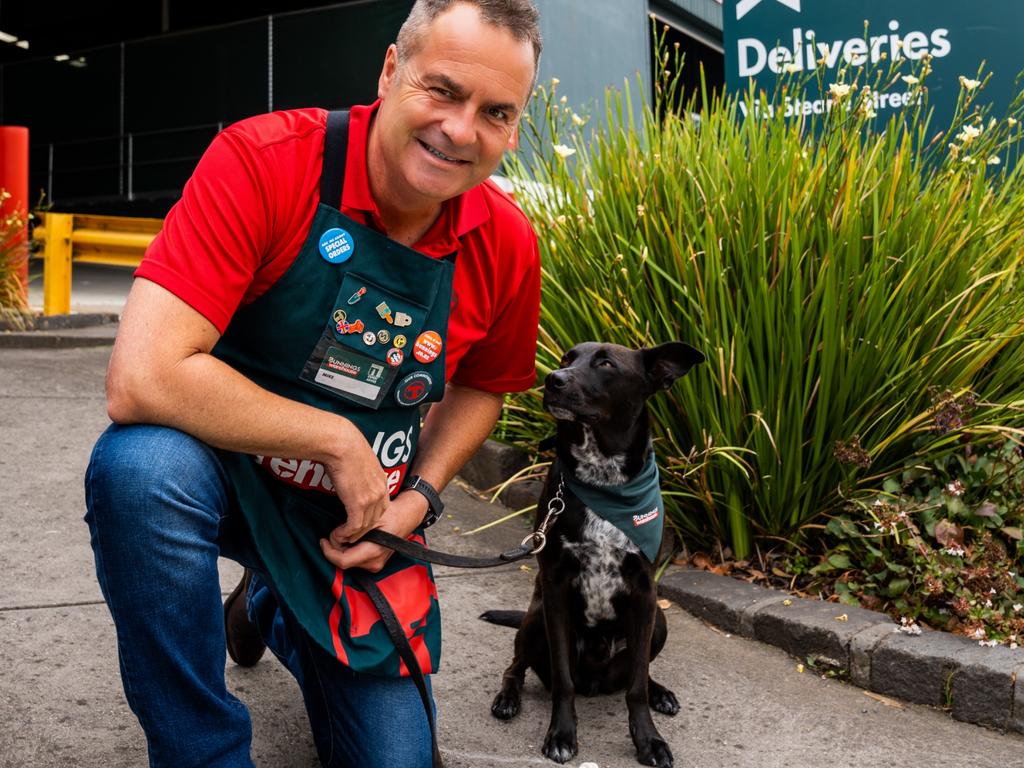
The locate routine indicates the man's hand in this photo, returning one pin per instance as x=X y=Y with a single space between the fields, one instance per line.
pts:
x=361 y=485
x=402 y=517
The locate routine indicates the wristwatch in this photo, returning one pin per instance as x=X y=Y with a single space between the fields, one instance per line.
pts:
x=429 y=492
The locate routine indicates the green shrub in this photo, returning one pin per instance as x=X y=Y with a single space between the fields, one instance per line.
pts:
x=941 y=544
x=833 y=275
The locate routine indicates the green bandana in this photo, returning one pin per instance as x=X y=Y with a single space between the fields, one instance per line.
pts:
x=635 y=508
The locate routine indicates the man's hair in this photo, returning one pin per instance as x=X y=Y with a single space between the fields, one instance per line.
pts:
x=519 y=17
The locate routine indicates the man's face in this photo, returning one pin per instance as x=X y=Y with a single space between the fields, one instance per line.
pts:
x=449 y=110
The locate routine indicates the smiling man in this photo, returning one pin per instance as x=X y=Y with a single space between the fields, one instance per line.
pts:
x=322 y=276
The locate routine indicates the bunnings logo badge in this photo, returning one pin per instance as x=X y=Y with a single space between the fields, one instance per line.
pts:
x=646 y=517
x=743 y=7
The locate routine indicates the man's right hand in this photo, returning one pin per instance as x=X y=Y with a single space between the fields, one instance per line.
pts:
x=361 y=484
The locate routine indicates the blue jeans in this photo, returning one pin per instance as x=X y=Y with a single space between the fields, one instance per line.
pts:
x=160 y=512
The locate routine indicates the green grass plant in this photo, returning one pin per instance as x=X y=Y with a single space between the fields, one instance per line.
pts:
x=834 y=274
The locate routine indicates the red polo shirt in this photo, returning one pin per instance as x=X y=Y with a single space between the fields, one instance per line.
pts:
x=245 y=213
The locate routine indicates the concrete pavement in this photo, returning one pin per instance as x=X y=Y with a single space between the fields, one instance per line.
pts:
x=743 y=703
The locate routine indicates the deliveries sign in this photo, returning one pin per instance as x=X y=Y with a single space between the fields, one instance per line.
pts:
x=769 y=39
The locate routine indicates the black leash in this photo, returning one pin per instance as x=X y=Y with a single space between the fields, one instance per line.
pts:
x=397 y=633
x=423 y=554
x=394 y=626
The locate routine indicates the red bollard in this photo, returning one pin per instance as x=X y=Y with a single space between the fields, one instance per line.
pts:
x=14 y=179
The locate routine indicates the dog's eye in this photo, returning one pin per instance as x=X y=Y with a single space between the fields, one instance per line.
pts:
x=605 y=363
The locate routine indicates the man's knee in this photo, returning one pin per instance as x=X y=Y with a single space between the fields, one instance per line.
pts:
x=149 y=471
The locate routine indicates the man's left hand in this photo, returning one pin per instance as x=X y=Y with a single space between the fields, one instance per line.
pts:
x=402 y=517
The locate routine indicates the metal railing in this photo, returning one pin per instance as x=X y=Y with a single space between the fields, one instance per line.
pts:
x=69 y=237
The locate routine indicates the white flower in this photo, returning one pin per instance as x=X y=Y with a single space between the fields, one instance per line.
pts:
x=554 y=82
x=563 y=151
x=969 y=134
x=955 y=550
x=791 y=68
x=640 y=210
x=1017 y=607
x=577 y=120
x=989 y=643
x=956 y=488
x=994 y=160
x=908 y=626
x=910 y=80
x=839 y=91
x=978 y=634
x=1011 y=121
x=969 y=160
x=969 y=84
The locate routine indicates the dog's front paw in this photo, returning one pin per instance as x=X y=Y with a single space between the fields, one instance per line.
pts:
x=560 y=744
x=505 y=705
x=655 y=752
x=662 y=699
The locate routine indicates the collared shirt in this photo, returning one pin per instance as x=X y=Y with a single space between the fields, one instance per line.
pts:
x=246 y=211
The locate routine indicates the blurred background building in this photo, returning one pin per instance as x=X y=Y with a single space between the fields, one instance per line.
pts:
x=121 y=99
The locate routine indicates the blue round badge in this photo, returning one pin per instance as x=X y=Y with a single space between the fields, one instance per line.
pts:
x=336 y=245
x=413 y=388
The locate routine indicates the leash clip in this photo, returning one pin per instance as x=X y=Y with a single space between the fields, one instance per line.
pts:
x=537 y=541
x=556 y=507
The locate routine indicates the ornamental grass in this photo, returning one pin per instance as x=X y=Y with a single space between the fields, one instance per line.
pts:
x=13 y=254
x=836 y=274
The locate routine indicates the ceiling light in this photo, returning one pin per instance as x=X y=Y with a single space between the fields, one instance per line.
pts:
x=23 y=44
x=61 y=57
x=6 y=38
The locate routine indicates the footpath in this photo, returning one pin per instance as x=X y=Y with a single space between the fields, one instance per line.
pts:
x=745 y=703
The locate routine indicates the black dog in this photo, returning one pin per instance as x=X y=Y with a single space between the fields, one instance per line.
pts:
x=593 y=624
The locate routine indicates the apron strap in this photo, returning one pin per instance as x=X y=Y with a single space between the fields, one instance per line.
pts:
x=332 y=176
x=394 y=628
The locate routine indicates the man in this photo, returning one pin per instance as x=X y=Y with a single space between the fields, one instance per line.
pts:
x=308 y=292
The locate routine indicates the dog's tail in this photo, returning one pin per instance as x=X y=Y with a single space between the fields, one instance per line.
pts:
x=512 y=619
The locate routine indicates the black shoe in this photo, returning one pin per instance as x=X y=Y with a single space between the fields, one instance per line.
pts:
x=245 y=646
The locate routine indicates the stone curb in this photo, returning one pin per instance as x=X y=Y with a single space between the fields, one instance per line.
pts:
x=492 y=465
x=63 y=332
x=979 y=685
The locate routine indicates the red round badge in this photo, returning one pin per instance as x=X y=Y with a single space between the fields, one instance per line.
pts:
x=395 y=357
x=427 y=347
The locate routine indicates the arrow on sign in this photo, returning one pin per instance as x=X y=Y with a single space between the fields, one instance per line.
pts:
x=743 y=7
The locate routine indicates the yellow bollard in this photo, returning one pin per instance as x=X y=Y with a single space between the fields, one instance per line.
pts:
x=57 y=264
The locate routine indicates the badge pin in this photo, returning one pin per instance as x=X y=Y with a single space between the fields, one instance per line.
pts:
x=427 y=347
x=356 y=327
x=369 y=338
x=383 y=336
x=385 y=312
x=339 y=316
x=395 y=357
x=336 y=245
x=399 y=341
x=402 y=319
x=414 y=388
x=357 y=295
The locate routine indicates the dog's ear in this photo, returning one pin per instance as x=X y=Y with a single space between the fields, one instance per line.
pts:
x=667 y=362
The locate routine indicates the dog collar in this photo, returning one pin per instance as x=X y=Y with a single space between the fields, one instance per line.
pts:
x=635 y=508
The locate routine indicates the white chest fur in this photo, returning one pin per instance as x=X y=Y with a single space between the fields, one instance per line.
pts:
x=594 y=468
x=600 y=552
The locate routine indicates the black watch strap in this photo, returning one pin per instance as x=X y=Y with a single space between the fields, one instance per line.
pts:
x=429 y=492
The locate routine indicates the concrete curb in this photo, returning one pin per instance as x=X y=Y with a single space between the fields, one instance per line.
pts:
x=62 y=332
x=493 y=464
x=978 y=685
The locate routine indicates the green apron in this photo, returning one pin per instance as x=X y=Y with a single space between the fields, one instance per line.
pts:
x=356 y=326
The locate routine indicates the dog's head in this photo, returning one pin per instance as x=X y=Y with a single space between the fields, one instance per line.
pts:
x=598 y=381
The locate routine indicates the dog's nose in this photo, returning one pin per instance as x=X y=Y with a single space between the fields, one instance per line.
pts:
x=557 y=380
